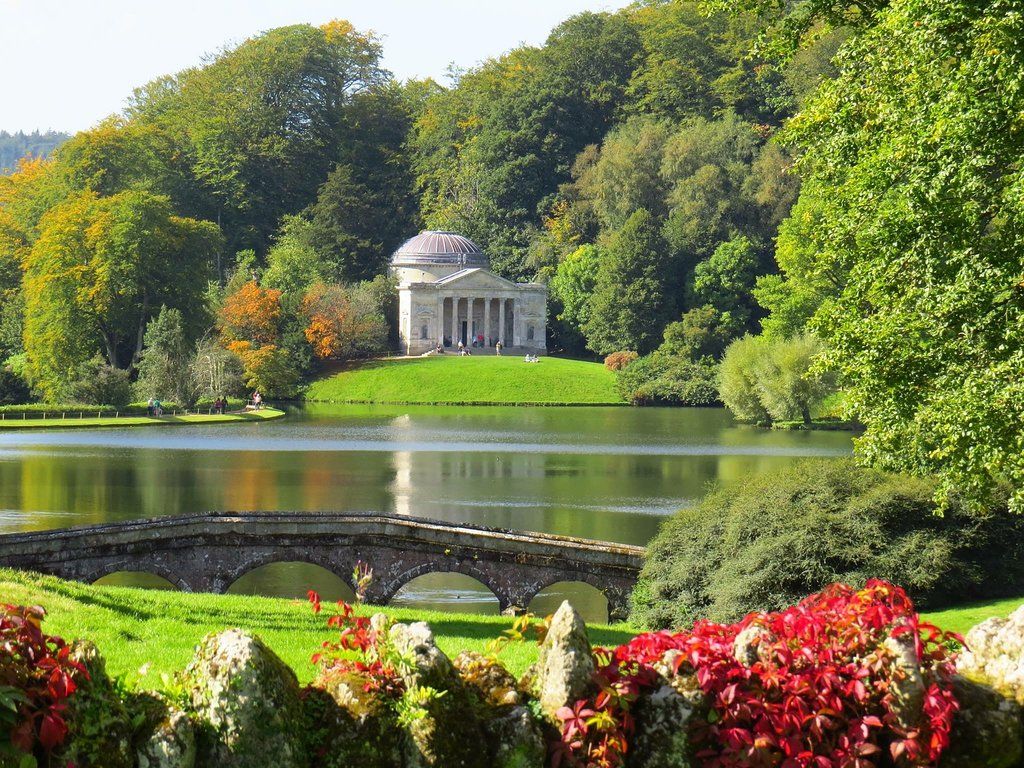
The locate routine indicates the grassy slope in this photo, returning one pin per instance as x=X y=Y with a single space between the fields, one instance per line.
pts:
x=962 y=618
x=133 y=627
x=476 y=379
x=136 y=421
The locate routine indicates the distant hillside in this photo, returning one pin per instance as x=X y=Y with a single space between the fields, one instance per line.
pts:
x=14 y=146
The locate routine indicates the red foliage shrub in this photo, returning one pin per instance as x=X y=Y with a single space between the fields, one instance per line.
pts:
x=616 y=361
x=822 y=692
x=37 y=676
x=361 y=647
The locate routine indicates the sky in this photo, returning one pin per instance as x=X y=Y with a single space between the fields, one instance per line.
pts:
x=66 y=64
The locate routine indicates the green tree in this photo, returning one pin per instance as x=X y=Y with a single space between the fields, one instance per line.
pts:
x=701 y=332
x=99 y=271
x=570 y=289
x=164 y=369
x=726 y=279
x=629 y=306
x=738 y=385
x=910 y=161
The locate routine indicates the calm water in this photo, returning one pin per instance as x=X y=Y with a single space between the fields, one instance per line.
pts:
x=603 y=473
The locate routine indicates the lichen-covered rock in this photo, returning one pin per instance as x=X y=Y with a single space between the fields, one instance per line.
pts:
x=514 y=739
x=746 y=648
x=908 y=682
x=663 y=717
x=165 y=737
x=440 y=715
x=564 y=670
x=99 y=725
x=995 y=655
x=491 y=682
x=345 y=725
x=987 y=731
x=247 y=701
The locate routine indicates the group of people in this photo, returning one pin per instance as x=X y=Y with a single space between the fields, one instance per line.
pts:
x=257 y=400
x=463 y=351
x=154 y=407
x=220 y=405
x=531 y=359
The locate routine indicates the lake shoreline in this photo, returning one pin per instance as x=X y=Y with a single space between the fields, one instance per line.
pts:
x=93 y=422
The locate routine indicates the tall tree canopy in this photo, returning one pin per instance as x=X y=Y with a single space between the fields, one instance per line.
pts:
x=911 y=212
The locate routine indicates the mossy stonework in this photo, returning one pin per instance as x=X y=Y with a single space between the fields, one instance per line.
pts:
x=248 y=700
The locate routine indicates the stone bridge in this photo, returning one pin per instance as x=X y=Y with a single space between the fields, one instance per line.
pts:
x=208 y=552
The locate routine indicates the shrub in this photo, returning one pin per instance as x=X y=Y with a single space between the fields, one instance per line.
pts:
x=763 y=544
x=616 y=361
x=14 y=390
x=661 y=379
x=764 y=380
x=823 y=687
x=37 y=676
x=101 y=384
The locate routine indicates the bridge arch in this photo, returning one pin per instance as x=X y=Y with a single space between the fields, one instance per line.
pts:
x=589 y=600
x=383 y=592
x=92 y=575
x=292 y=579
x=448 y=591
x=330 y=562
x=135 y=578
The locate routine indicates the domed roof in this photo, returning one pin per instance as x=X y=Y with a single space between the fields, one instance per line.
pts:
x=437 y=247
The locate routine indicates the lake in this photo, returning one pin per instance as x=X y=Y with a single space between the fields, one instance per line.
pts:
x=601 y=473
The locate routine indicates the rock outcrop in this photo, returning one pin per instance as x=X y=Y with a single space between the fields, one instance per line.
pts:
x=166 y=736
x=99 y=725
x=564 y=670
x=248 y=701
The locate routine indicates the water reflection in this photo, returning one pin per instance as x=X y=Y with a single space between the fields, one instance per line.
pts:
x=605 y=473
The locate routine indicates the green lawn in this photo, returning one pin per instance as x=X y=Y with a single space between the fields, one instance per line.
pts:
x=54 y=420
x=964 y=617
x=478 y=379
x=134 y=627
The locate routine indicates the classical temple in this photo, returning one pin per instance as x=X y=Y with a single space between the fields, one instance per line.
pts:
x=447 y=294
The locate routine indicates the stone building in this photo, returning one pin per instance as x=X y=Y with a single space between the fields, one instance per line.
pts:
x=447 y=293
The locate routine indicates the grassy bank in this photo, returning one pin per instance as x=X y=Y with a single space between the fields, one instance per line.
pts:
x=74 y=420
x=478 y=379
x=135 y=627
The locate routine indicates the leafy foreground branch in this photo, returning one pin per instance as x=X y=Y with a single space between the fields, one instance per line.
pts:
x=846 y=678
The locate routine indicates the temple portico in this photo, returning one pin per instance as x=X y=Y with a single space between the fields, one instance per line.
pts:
x=465 y=302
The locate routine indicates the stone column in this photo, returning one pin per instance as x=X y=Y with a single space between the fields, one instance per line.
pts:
x=487 y=320
x=439 y=323
x=515 y=322
x=501 y=320
x=455 y=321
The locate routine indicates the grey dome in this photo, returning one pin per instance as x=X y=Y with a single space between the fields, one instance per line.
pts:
x=436 y=247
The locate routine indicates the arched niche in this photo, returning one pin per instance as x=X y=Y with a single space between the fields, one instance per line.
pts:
x=447 y=591
x=138 y=579
x=588 y=600
x=292 y=579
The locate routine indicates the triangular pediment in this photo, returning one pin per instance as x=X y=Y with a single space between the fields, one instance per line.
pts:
x=476 y=277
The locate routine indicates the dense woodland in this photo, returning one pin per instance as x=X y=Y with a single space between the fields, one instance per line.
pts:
x=766 y=202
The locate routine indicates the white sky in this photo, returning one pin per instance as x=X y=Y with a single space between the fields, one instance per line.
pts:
x=65 y=64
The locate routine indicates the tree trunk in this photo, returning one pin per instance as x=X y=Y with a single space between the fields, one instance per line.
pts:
x=140 y=333
x=806 y=411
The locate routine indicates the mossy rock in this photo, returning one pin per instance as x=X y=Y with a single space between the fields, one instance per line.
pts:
x=441 y=717
x=247 y=703
x=99 y=725
x=349 y=723
x=165 y=736
x=987 y=730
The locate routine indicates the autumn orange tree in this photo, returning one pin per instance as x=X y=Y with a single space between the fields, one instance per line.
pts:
x=252 y=314
x=344 y=322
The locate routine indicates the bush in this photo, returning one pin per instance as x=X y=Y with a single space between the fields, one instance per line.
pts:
x=763 y=380
x=763 y=544
x=616 y=361
x=823 y=683
x=101 y=384
x=37 y=677
x=661 y=379
x=14 y=390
